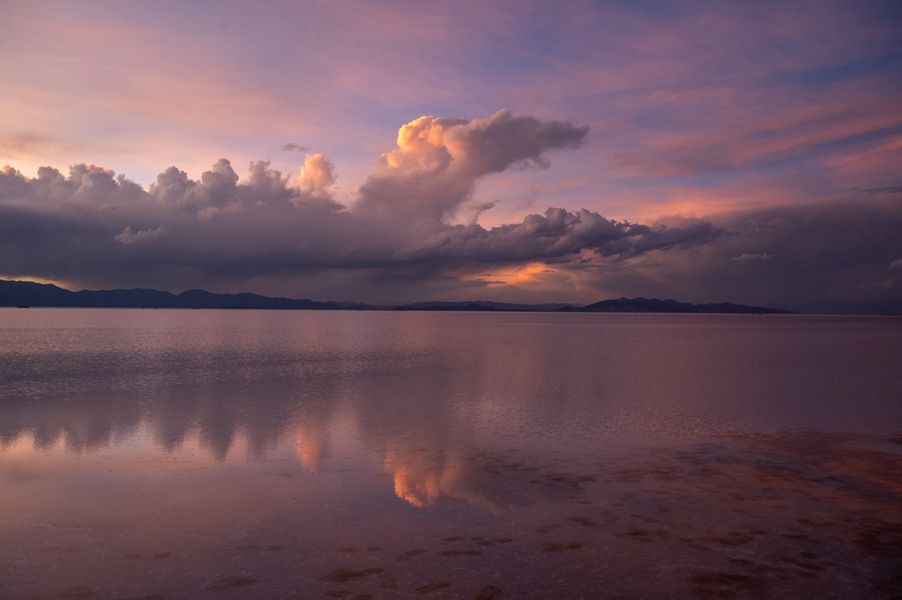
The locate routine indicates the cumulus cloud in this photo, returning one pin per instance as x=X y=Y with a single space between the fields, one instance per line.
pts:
x=399 y=239
x=317 y=175
x=437 y=161
x=128 y=237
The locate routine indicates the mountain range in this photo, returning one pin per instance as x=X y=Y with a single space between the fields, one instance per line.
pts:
x=30 y=294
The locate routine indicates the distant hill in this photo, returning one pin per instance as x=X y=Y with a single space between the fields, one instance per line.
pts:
x=26 y=293
x=653 y=305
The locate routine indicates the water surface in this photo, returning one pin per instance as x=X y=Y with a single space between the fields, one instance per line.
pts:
x=184 y=454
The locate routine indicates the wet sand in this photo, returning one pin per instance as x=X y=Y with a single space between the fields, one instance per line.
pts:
x=800 y=514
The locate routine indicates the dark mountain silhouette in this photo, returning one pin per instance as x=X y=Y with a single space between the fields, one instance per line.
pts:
x=26 y=293
x=653 y=305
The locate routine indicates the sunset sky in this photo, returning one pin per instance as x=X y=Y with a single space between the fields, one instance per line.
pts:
x=404 y=151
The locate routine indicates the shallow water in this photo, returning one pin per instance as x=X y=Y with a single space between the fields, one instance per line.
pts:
x=183 y=454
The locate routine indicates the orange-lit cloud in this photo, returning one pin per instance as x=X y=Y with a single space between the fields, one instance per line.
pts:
x=512 y=275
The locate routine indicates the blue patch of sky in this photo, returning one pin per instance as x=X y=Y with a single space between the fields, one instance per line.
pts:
x=825 y=76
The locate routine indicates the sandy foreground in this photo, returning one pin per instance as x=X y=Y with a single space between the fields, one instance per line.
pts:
x=789 y=515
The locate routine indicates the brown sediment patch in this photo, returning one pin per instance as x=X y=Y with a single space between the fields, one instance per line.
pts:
x=742 y=562
x=453 y=538
x=247 y=547
x=273 y=548
x=373 y=548
x=388 y=581
x=561 y=547
x=489 y=592
x=433 y=586
x=796 y=536
x=695 y=544
x=585 y=521
x=723 y=584
x=757 y=531
x=807 y=565
x=547 y=528
x=78 y=592
x=345 y=575
x=645 y=535
x=459 y=553
x=732 y=538
x=348 y=549
x=503 y=540
x=347 y=594
x=881 y=538
x=134 y=555
x=411 y=554
x=564 y=479
x=159 y=555
x=231 y=582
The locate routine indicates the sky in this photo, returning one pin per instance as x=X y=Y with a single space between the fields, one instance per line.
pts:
x=406 y=151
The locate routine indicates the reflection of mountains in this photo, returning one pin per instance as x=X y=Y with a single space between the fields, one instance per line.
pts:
x=419 y=413
x=93 y=400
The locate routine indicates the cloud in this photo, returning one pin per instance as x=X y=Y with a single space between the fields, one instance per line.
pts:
x=141 y=236
x=23 y=143
x=825 y=257
x=894 y=189
x=746 y=257
x=291 y=146
x=477 y=210
x=399 y=239
x=437 y=162
x=95 y=227
x=317 y=176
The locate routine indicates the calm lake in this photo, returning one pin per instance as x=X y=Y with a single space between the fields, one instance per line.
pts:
x=233 y=454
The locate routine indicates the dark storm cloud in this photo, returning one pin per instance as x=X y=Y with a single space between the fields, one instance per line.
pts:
x=831 y=256
x=556 y=234
x=95 y=228
x=93 y=225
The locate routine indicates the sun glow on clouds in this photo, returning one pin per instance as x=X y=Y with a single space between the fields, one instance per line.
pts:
x=32 y=279
x=520 y=275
